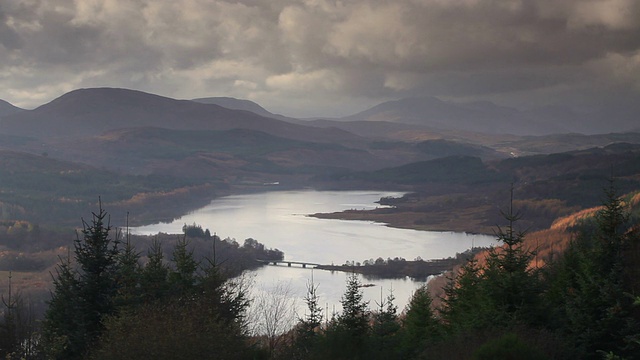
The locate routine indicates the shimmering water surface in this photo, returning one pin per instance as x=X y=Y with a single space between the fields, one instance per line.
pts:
x=279 y=219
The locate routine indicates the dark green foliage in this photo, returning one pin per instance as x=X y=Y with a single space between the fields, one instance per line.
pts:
x=419 y=326
x=82 y=298
x=593 y=299
x=508 y=347
x=510 y=285
x=345 y=336
x=503 y=293
x=171 y=330
x=182 y=278
x=153 y=281
x=128 y=275
x=466 y=304
x=385 y=338
x=308 y=328
x=17 y=327
x=110 y=299
x=97 y=255
x=195 y=231
x=355 y=311
x=60 y=338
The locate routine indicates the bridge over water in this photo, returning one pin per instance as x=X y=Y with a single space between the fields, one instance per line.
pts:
x=289 y=263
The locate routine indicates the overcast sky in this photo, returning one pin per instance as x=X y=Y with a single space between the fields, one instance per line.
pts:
x=323 y=57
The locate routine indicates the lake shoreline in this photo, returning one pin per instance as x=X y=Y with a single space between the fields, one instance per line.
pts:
x=437 y=221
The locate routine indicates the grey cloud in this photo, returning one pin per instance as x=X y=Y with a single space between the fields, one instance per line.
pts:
x=274 y=50
x=9 y=39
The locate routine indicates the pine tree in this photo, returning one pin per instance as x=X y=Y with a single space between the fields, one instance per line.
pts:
x=182 y=278
x=307 y=326
x=129 y=273
x=154 y=278
x=355 y=311
x=597 y=308
x=384 y=339
x=83 y=298
x=419 y=326
x=352 y=324
x=465 y=304
x=96 y=254
x=61 y=333
x=510 y=284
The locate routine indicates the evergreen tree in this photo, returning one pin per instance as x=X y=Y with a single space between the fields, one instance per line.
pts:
x=509 y=282
x=97 y=256
x=384 y=339
x=61 y=334
x=347 y=335
x=129 y=274
x=355 y=312
x=182 y=278
x=306 y=331
x=419 y=326
x=82 y=298
x=504 y=293
x=465 y=304
x=154 y=278
x=597 y=308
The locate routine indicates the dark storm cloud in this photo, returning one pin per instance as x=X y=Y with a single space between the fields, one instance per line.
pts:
x=318 y=53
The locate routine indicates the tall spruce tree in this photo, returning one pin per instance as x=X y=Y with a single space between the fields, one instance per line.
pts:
x=97 y=257
x=510 y=283
x=384 y=339
x=83 y=297
x=61 y=334
x=129 y=273
x=154 y=278
x=504 y=293
x=306 y=331
x=465 y=305
x=183 y=277
x=419 y=325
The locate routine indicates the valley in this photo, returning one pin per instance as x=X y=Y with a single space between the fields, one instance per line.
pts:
x=148 y=159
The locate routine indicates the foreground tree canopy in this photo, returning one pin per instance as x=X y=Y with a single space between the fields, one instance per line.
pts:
x=106 y=305
x=109 y=302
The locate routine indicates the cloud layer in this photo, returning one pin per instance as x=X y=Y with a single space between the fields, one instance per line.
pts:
x=319 y=56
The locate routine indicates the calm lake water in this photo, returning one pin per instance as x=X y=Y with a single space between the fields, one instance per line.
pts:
x=279 y=219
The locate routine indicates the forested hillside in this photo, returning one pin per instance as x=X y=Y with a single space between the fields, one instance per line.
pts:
x=113 y=300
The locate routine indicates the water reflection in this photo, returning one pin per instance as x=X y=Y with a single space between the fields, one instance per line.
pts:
x=279 y=220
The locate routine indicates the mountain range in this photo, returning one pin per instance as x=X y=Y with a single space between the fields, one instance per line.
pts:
x=484 y=117
x=144 y=145
x=92 y=111
x=489 y=118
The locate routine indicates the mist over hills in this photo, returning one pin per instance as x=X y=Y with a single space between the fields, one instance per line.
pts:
x=489 y=118
x=146 y=146
x=92 y=111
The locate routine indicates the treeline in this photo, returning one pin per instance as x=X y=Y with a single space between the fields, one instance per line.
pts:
x=110 y=301
x=583 y=305
x=399 y=267
x=108 y=304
